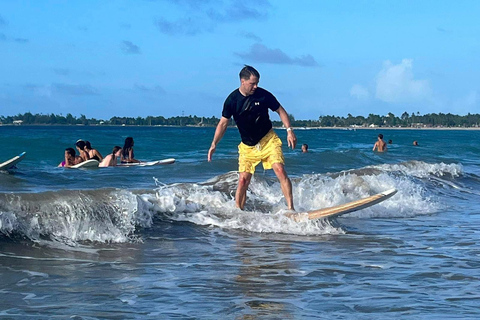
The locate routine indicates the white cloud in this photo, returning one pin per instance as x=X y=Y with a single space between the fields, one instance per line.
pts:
x=359 y=92
x=396 y=83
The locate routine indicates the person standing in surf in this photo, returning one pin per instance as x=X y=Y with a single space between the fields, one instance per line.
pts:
x=380 y=145
x=249 y=105
x=304 y=148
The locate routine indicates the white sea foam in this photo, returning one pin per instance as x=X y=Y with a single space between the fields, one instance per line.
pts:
x=8 y=222
x=72 y=216
x=422 y=169
x=115 y=215
x=202 y=205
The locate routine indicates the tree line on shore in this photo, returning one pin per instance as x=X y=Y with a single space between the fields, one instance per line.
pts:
x=390 y=120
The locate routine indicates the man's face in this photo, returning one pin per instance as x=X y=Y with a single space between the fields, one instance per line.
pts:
x=249 y=86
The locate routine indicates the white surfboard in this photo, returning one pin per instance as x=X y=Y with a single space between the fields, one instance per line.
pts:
x=147 y=163
x=345 y=208
x=10 y=164
x=92 y=163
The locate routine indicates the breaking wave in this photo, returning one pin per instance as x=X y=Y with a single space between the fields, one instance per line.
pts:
x=118 y=215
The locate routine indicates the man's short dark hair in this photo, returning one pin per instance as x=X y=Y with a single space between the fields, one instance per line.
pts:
x=380 y=136
x=247 y=71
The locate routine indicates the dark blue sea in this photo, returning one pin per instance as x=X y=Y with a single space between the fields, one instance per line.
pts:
x=166 y=242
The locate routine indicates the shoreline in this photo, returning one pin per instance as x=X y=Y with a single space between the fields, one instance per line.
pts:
x=381 y=128
x=276 y=128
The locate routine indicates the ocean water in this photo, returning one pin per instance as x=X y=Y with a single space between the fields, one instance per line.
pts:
x=166 y=242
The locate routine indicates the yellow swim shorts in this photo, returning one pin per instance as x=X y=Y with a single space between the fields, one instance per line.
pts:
x=268 y=151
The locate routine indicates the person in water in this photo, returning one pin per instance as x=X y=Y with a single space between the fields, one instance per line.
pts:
x=304 y=148
x=93 y=153
x=127 y=155
x=71 y=158
x=249 y=105
x=81 y=147
x=111 y=159
x=380 y=145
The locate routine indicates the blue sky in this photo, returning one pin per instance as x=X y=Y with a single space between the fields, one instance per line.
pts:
x=173 y=57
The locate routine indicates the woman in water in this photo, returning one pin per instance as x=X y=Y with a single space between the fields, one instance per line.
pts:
x=92 y=153
x=81 y=147
x=71 y=158
x=127 y=152
x=111 y=159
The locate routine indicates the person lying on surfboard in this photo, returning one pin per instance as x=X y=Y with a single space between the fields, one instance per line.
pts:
x=127 y=152
x=71 y=158
x=249 y=106
x=111 y=159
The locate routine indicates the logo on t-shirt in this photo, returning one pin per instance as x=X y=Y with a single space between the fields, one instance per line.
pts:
x=257 y=103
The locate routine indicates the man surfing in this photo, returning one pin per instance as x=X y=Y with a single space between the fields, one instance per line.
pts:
x=249 y=105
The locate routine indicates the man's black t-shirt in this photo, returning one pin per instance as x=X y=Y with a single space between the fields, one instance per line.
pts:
x=251 y=113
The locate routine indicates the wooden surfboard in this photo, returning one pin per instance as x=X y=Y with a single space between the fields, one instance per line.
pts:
x=345 y=208
x=10 y=164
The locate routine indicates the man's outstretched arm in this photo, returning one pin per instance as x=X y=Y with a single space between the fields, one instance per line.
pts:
x=219 y=132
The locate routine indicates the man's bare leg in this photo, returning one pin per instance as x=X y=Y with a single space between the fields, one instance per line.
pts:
x=285 y=183
x=241 y=194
